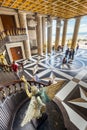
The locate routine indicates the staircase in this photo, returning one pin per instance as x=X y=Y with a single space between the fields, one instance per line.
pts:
x=6 y=77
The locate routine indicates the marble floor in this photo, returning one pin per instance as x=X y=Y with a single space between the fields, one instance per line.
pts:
x=73 y=96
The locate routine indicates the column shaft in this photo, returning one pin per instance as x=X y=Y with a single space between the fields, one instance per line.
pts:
x=44 y=32
x=64 y=32
x=1 y=25
x=75 y=34
x=39 y=34
x=58 y=22
x=17 y=21
x=49 y=41
x=23 y=24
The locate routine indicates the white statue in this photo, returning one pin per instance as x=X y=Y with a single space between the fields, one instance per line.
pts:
x=38 y=97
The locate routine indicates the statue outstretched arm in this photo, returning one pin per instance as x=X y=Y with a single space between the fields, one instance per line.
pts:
x=27 y=91
x=26 y=86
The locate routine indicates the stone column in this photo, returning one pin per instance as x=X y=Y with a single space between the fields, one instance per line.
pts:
x=75 y=34
x=17 y=21
x=1 y=25
x=39 y=34
x=23 y=24
x=64 y=32
x=44 y=33
x=58 y=22
x=49 y=36
x=2 y=36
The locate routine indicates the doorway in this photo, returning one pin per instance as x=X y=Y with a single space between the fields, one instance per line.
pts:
x=16 y=53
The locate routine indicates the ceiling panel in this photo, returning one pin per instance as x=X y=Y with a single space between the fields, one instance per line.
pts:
x=59 y=8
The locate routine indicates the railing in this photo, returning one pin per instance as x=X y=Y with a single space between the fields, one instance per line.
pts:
x=16 y=86
x=12 y=32
x=5 y=67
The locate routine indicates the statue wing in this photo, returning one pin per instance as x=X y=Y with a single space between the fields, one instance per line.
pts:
x=4 y=52
x=50 y=91
x=33 y=110
x=35 y=106
x=30 y=112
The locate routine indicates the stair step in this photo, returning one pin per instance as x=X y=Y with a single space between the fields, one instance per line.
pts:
x=6 y=77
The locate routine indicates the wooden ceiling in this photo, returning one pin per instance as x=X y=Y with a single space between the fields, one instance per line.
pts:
x=57 y=8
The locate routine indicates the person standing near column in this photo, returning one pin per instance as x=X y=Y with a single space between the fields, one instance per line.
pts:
x=77 y=47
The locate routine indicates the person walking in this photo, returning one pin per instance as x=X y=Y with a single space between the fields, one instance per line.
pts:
x=14 y=67
x=72 y=54
x=67 y=52
x=77 y=47
x=64 y=61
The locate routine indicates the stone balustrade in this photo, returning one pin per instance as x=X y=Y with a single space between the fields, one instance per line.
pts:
x=14 y=87
x=12 y=35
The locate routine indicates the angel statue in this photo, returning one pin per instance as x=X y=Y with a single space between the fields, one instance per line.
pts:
x=2 y=58
x=3 y=61
x=39 y=98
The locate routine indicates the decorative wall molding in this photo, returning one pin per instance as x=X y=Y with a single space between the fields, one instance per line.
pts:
x=16 y=38
x=7 y=11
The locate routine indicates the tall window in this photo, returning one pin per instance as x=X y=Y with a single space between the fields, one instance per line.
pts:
x=82 y=34
x=54 y=31
x=83 y=27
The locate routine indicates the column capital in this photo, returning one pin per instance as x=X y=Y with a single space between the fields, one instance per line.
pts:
x=57 y=18
x=22 y=12
x=49 y=18
x=77 y=18
x=65 y=20
x=39 y=15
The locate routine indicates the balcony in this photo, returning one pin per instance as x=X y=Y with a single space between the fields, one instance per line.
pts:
x=13 y=35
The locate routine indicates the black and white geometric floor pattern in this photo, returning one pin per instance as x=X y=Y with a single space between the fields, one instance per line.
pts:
x=73 y=95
